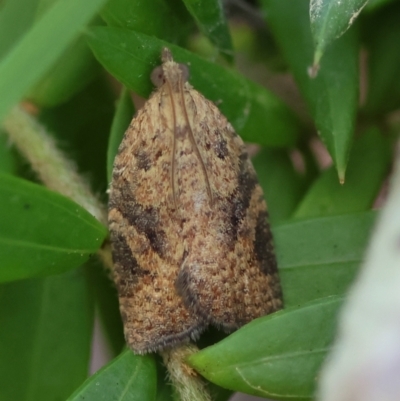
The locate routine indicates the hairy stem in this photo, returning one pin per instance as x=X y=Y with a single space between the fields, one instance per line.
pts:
x=186 y=381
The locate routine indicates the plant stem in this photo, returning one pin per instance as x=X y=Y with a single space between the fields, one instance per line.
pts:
x=186 y=381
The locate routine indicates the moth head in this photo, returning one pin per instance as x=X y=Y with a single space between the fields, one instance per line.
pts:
x=169 y=71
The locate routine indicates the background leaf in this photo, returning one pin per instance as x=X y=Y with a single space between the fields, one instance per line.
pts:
x=45 y=337
x=15 y=18
x=39 y=49
x=248 y=107
x=210 y=19
x=127 y=377
x=383 y=61
x=42 y=232
x=275 y=167
x=330 y=20
x=164 y=19
x=319 y=257
x=372 y=5
x=75 y=68
x=368 y=166
x=331 y=97
x=281 y=365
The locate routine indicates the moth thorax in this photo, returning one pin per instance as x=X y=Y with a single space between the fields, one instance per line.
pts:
x=171 y=72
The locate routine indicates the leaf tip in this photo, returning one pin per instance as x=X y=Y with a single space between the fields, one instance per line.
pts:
x=342 y=176
x=313 y=70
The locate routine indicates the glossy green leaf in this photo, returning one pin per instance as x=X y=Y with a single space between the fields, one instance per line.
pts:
x=166 y=19
x=368 y=166
x=250 y=108
x=332 y=97
x=277 y=356
x=15 y=18
x=330 y=20
x=42 y=232
x=211 y=21
x=128 y=377
x=41 y=46
x=383 y=60
x=273 y=168
x=123 y=116
x=45 y=337
x=73 y=71
x=319 y=257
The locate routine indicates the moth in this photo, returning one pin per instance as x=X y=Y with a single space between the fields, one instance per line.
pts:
x=190 y=239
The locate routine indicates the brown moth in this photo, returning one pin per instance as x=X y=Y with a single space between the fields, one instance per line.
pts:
x=188 y=221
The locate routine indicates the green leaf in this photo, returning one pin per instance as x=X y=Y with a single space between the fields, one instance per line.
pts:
x=8 y=162
x=273 y=168
x=131 y=56
x=15 y=18
x=277 y=356
x=167 y=19
x=45 y=337
x=383 y=60
x=211 y=21
x=320 y=257
x=41 y=46
x=369 y=164
x=330 y=20
x=123 y=116
x=332 y=97
x=42 y=232
x=71 y=73
x=127 y=377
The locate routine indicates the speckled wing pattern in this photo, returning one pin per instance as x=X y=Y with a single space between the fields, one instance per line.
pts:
x=188 y=222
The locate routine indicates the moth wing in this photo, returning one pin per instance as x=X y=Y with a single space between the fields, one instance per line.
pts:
x=147 y=250
x=229 y=276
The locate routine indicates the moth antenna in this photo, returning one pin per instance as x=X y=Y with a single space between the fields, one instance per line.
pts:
x=193 y=140
x=173 y=161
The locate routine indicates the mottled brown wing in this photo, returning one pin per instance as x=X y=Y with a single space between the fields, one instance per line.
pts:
x=229 y=275
x=145 y=233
